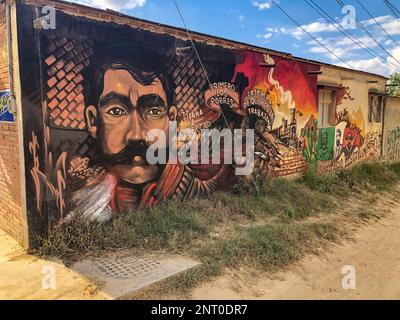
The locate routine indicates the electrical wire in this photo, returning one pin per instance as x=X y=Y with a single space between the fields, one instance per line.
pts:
x=342 y=5
x=380 y=26
x=392 y=9
x=205 y=73
x=341 y=29
x=310 y=35
x=197 y=54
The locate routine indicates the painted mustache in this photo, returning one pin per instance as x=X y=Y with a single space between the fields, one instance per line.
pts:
x=125 y=156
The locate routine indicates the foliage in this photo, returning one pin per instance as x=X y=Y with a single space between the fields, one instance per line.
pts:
x=394 y=80
x=266 y=227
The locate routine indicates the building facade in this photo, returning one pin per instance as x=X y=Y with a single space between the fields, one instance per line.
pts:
x=86 y=86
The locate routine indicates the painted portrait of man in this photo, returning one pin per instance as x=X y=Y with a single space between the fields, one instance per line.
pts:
x=127 y=94
x=325 y=146
x=351 y=141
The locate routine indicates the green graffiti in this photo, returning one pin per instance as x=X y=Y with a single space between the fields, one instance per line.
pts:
x=325 y=143
x=4 y=102
x=309 y=135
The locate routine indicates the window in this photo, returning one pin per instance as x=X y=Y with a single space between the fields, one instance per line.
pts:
x=326 y=108
x=375 y=108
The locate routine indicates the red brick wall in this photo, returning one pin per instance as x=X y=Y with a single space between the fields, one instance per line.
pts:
x=292 y=163
x=10 y=194
x=4 y=79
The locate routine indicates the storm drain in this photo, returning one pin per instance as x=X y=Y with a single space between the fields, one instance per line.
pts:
x=122 y=274
x=128 y=267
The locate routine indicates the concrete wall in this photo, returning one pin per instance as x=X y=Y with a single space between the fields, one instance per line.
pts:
x=391 y=138
x=82 y=92
x=71 y=145
x=11 y=213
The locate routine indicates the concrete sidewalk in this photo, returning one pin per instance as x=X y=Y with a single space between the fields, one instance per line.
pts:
x=24 y=276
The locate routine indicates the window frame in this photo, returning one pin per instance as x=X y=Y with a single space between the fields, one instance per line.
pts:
x=326 y=101
x=375 y=110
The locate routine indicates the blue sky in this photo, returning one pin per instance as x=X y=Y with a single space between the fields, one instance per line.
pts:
x=261 y=23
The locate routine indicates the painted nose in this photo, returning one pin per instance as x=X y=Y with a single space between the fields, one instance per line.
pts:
x=136 y=131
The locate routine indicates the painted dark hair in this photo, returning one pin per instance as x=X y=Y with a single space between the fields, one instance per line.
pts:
x=144 y=67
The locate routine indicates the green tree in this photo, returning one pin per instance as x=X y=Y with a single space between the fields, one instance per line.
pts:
x=394 y=88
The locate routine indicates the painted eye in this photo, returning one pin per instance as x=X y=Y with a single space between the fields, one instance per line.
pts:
x=155 y=112
x=117 y=112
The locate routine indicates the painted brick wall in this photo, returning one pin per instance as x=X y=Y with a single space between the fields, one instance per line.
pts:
x=4 y=79
x=293 y=163
x=10 y=194
x=391 y=137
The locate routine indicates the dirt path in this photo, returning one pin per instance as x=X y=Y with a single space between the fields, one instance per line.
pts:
x=374 y=251
x=23 y=276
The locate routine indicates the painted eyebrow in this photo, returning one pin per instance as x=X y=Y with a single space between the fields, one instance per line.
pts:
x=114 y=97
x=150 y=100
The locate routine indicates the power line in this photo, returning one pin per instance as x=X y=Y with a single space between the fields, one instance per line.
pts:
x=392 y=9
x=393 y=6
x=341 y=29
x=192 y=42
x=380 y=26
x=198 y=57
x=341 y=4
x=310 y=35
x=205 y=73
x=371 y=51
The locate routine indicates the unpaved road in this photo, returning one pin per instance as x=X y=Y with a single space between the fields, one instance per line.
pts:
x=24 y=276
x=374 y=251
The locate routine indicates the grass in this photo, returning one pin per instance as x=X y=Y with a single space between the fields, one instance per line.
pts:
x=267 y=246
x=365 y=176
x=266 y=228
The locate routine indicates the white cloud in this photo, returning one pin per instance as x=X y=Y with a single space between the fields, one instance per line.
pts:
x=262 y=5
x=314 y=27
x=396 y=56
x=112 y=4
x=364 y=41
x=375 y=65
x=334 y=52
x=342 y=47
x=278 y=30
x=380 y=19
x=345 y=48
x=264 y=36
x=392 y=27
x=389 y=23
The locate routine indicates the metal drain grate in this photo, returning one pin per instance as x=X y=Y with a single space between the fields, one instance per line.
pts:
x=124 y=268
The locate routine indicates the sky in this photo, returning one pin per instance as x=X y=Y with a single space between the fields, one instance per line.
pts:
x=262 y=23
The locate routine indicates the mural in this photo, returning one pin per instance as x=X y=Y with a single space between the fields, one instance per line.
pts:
x=393 y=144
x=292 y=95
x=3 y=46
x=5 y=113
x=105 y=86
x=348 y=141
